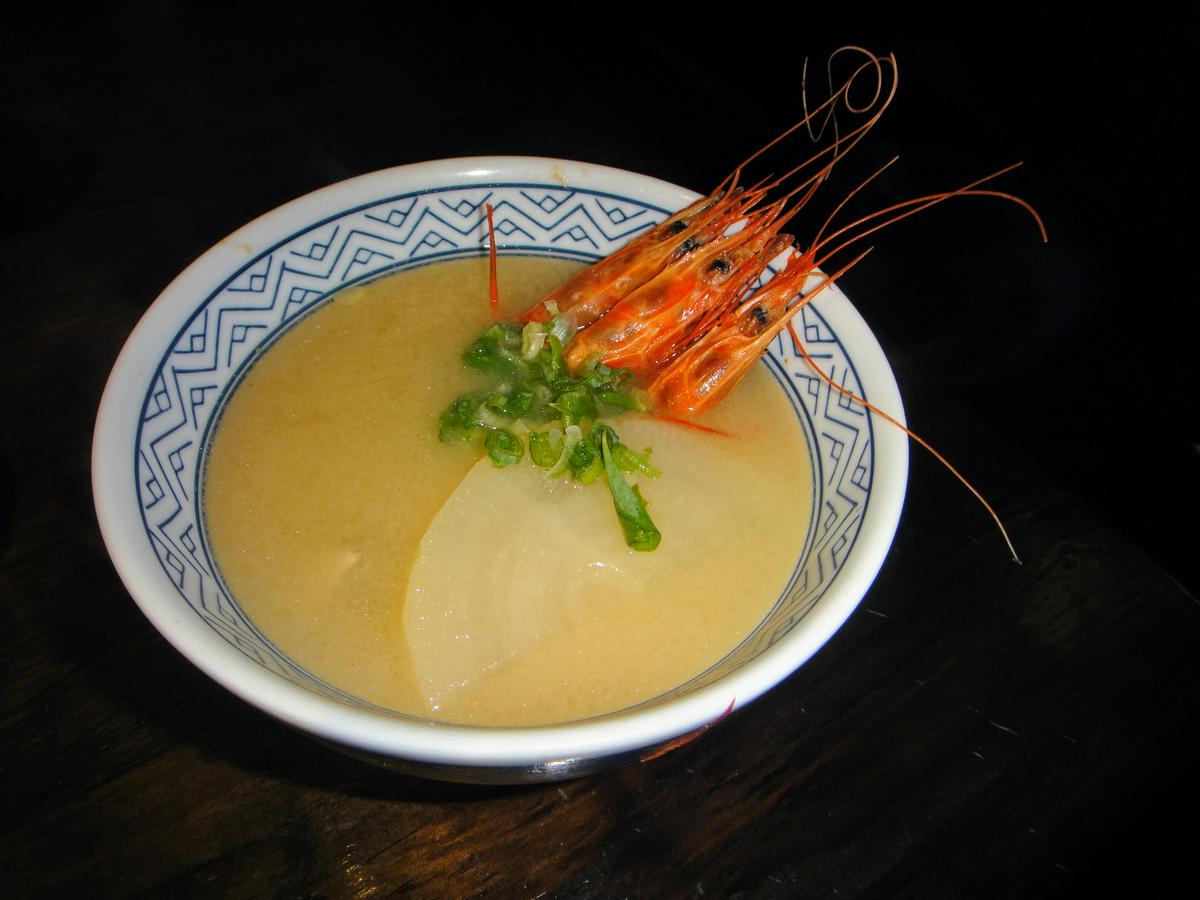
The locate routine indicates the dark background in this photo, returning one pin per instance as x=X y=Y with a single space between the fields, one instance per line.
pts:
x=1060 y=377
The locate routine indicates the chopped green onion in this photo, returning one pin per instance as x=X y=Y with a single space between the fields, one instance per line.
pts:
x=582 y=458
x=553 y=366
x=520 y=402
x=457 y=421
x=496 y=352
x=621 y=400
x=572 y=435
x=485 y=416
x=533 y=336
x=640 y=530
x=575 y=406
x=600 y=430
x=497 y=402
x=545 y=447
x=503 y=447
x=628 y=461
x=561 y=329
x=531 y=383
x=593 y=471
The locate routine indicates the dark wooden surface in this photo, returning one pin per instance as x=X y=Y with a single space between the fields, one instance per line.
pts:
x=976 y=729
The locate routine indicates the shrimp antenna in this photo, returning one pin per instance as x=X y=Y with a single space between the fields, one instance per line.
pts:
x=906 y=208
x=828 y=107
x=836 y=148
x=817 y=241
x=810 y=185
x=913 y=435
x=831 y=120
x=815 y=136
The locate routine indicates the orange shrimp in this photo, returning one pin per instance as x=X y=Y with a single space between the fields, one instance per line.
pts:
x=723 y=347
x=710 y=367
x=594 y=291
x=643 y=330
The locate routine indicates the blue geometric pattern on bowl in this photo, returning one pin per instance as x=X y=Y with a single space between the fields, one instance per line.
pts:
x=264 y=296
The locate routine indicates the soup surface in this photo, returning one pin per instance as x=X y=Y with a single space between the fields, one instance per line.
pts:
x=416 y=576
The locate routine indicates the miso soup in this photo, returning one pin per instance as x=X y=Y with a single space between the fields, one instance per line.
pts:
x=417 y=576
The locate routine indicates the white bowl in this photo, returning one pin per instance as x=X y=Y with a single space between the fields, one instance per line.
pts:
x=174 y=371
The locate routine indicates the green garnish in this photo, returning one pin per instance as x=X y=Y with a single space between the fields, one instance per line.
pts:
x=640 y=531
x=503 y=447
x=545 y=447
x=574 y=406
x=618 y=399
x=572 y=435
x=497 y=352
x=585 y=462
x=628 y=461
x=458 y=420
x=534 y=384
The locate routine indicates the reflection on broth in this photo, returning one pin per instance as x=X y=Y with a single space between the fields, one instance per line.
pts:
x=410 y=574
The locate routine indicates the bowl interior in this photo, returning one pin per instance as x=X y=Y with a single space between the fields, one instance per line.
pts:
x=209 y=326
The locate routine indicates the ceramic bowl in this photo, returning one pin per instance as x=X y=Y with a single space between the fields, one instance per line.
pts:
x=174 y=374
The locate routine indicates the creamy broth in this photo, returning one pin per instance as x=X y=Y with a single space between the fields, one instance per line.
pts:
x=417 y=577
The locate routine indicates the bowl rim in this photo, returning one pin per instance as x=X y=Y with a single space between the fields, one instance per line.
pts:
x=114 y=491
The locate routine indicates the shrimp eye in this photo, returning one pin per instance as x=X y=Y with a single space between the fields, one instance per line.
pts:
x=760 y=316
x=688 y=246
x=675 y=227
x=721 y=265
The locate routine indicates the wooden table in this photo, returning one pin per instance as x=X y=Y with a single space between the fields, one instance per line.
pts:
x=977 y=728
